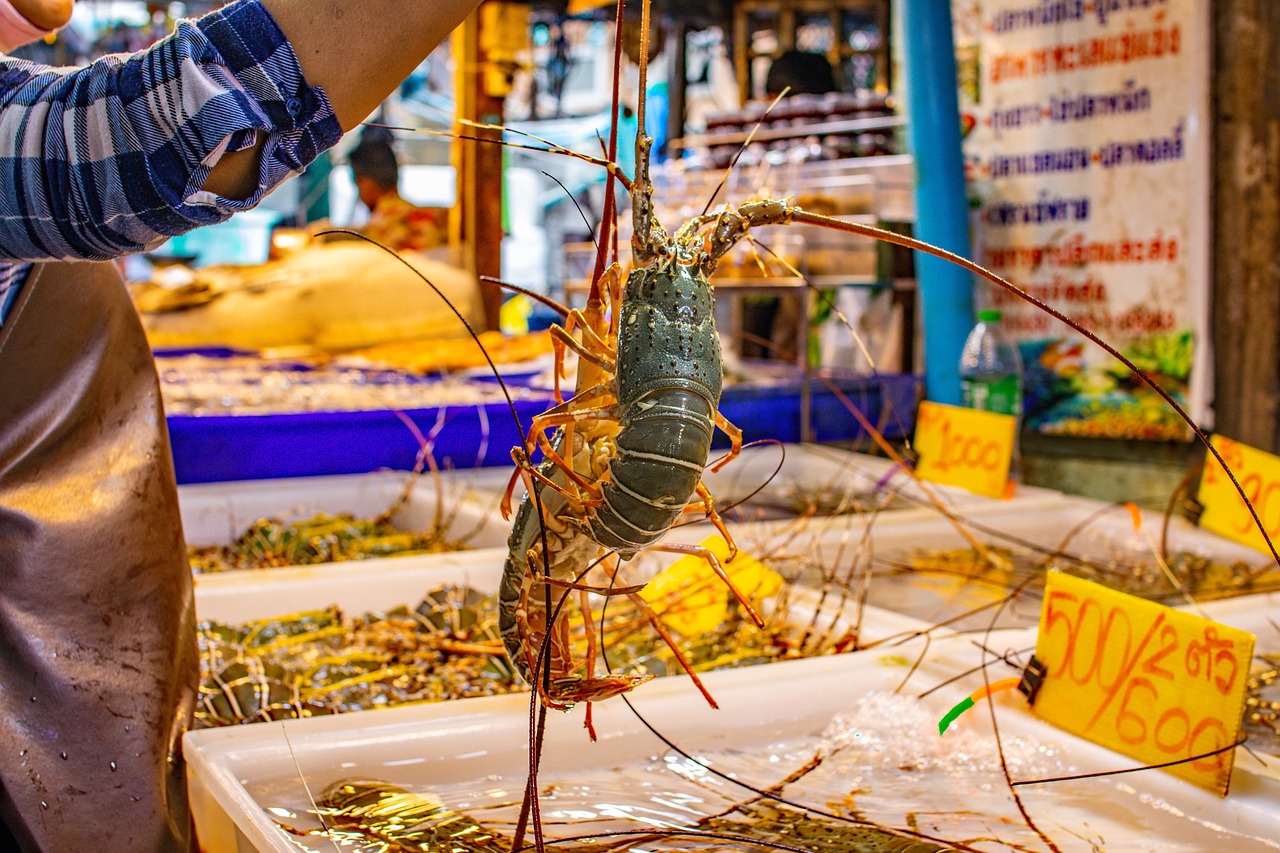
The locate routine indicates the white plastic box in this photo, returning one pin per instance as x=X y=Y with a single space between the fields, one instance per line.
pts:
x=775 y=481
x=770 y=478
x=218 y=513
x=481 y=746
x=853 y=548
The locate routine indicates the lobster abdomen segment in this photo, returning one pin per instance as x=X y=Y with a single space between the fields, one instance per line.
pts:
x=662 y=448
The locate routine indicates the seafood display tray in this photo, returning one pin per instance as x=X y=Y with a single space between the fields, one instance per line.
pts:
x=214 y=448
x=482 y=744
x=1083 y=527
x=369 y=586
x=766 y=479
x=218 y=513
x=776 y=481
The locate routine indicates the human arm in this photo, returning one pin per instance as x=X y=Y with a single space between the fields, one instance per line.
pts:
x=45 y=14
x=117 y=157
x=358 y=51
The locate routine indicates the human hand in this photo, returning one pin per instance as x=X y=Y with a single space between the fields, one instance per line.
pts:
x=45 y=14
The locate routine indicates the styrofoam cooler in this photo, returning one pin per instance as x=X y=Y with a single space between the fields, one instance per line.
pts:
x=237 y=774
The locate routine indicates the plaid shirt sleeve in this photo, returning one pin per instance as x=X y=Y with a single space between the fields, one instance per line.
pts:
x=109 y=159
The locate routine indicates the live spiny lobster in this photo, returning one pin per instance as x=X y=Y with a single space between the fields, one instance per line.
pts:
x=628 y=451
x=627 y=457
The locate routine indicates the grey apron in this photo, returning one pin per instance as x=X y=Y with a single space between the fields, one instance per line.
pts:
x=98 y=666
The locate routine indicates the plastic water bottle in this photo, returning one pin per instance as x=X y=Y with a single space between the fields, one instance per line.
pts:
x=991 y=369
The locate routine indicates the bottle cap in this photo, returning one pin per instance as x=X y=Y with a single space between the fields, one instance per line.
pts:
x=990 y=315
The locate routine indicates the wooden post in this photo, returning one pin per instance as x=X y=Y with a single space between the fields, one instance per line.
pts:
x=677 y=81
x=479 y=167
x=1246 y=219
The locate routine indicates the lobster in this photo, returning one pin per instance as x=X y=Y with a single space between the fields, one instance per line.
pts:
x=629 y=448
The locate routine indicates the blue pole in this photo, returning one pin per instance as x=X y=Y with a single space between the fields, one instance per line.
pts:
x=933 y=123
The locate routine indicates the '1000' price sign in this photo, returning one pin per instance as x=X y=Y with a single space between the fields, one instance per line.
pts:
x=965 y=447
x=1154 y=683
x=1225 y=512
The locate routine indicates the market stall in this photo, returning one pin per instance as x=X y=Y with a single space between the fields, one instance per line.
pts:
x=571 y=460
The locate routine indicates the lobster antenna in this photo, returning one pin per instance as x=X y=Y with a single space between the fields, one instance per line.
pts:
x=552 y=148
x=737 y=155
x=541 y=298
x=608 y=214
x=1004 y=658
x=582 y=213
x=315 y=807
x=1017 y=783
x=995 y=725
x=862 y=347
x=644 y=77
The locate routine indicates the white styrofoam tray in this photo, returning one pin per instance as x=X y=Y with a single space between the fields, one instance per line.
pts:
x=218 y=513
x=779 y=474
x=850 y=546
x=951 y=784
x=371 y=586
x=765 y=481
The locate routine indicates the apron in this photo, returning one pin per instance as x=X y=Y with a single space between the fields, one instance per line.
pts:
x=98 y=662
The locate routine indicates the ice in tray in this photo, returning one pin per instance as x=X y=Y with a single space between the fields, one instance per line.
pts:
x=850 y=742
x=443 y=514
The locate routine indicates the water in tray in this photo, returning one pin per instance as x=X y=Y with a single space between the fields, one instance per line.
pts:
x=880 y=764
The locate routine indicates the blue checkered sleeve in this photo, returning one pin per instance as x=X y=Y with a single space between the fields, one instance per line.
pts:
x=109 y=159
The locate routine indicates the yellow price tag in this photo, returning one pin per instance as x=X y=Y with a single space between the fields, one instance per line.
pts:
x=962 y=447
x=692 y=600
x=1151 y=682
x=1225 y=512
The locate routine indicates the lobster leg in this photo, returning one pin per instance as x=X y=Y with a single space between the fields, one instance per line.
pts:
x=574 y=410
x=566 y=465
x=735 y=441
x=596 y=334
x=526 y=469
x=656 y=622
x=714 y=562
x=562 y=340
x=707 y=505
x=566 y=414
x=589 y=627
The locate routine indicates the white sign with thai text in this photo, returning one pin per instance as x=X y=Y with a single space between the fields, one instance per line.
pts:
x=1087 y=152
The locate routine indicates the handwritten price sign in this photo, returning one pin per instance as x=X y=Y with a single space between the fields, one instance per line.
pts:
x=1146 y=680
x=965 y=447
x=1225 y=512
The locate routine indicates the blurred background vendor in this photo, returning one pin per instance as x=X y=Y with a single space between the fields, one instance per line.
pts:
x=394 y=221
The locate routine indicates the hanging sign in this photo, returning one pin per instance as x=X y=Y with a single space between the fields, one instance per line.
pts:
x=1088 y=161
x=1151 y=682
x=1225 y=512
x=963 y=447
